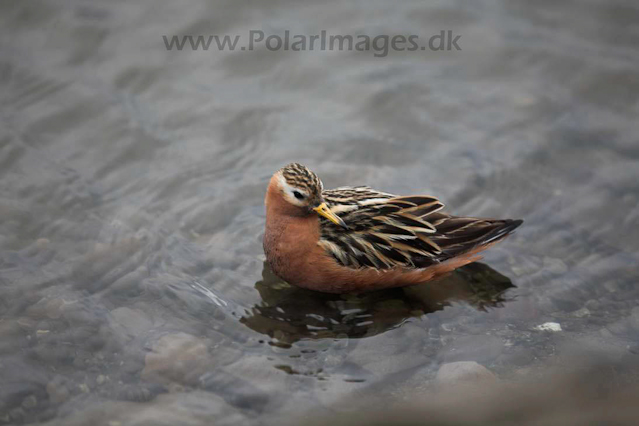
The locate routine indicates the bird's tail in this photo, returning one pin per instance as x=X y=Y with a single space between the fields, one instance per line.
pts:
x=459 y=235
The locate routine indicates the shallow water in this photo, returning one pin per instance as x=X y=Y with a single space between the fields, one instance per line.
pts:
x=132 y=282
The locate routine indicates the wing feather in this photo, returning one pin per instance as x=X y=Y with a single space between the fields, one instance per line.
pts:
x=387 y=231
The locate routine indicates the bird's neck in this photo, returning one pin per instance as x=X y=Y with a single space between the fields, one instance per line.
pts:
x=289 y=237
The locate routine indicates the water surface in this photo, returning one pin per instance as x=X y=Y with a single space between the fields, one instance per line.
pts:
x=132 y=280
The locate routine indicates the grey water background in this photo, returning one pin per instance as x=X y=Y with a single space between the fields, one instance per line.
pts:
x=132 y=284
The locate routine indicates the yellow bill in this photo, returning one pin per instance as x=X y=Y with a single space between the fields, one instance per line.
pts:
x=324 y=211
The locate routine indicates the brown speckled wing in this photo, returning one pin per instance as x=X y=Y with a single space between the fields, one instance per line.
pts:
x=386 y=231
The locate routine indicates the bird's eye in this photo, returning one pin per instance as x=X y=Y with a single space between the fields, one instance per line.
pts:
x=298 y=195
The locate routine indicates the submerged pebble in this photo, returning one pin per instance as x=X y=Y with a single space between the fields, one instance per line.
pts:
x=464 y=372
x=179 y=357
x=549 y=326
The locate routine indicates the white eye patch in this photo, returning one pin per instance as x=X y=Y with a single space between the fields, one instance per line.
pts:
x=289 y=193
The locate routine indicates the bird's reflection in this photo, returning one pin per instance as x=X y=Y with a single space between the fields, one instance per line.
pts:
x=288 y=314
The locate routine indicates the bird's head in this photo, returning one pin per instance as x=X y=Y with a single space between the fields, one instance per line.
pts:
x=300 y=193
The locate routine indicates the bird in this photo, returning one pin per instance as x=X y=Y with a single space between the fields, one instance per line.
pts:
x=357 y=239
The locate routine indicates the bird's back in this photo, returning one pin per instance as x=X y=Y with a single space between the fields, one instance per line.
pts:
x=388 y=231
